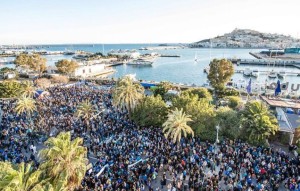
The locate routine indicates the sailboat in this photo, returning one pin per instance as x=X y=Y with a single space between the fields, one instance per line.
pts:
x=282 y=73
x=272 y=74
x=196 y=58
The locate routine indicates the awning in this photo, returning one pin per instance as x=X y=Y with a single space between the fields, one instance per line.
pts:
x=147 y=85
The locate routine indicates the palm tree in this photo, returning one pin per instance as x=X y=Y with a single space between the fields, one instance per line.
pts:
x=25 y=104
x=27 y=89
x=127 y=94
x=85 y=110
x=9 y=89
x=176 y=124
x=20 y=178
x=258 y=122
x=64 y=161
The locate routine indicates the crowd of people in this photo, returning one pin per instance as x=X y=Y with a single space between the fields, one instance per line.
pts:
x=129 y=157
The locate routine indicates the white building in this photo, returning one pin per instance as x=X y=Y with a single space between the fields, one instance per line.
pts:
x=85 y=70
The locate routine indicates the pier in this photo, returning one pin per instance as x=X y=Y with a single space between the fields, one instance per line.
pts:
x=115 y=64
x=263 y=62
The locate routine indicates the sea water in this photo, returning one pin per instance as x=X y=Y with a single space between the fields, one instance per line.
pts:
x=183 y=69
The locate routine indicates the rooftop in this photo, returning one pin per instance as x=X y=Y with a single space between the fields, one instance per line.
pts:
x=278 y=102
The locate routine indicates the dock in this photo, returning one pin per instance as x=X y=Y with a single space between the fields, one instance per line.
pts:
x=115 y=64
x=167 y=55
x=264 y=62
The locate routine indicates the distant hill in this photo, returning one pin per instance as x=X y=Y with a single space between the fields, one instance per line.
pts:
x=246 y=38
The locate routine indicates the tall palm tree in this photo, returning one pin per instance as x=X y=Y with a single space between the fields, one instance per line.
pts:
x=27 y=89
x=25 y=104
x=85 y=110
x=258 y=122
x=64 y=161
x=176 y=125
x=127 y=94
x=20 y=178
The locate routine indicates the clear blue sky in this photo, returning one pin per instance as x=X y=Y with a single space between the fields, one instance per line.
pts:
x=140 y=21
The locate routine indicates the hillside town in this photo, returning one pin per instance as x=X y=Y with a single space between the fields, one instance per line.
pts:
x=246 y=38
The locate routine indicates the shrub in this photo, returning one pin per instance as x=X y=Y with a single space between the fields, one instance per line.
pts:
x=60 y=79
x=43 y=83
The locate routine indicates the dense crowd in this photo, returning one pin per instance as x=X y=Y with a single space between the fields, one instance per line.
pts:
x=128 y=157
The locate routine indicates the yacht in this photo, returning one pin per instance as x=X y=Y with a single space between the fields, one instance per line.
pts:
x=281 y=74
x=140 y=62
x=247 y=72
x=255 y=73
x=272 y=74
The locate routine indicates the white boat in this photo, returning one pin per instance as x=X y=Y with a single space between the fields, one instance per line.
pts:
x=247 y=72
x=140 y=62
x=272 y=74
x=196 y=57
x=281 y=74
x=255 y=73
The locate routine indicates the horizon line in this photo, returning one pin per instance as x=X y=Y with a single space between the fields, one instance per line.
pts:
x=89 y=43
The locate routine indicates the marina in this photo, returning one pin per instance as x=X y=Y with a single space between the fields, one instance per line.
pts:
x=280 y=63
x=183 y=69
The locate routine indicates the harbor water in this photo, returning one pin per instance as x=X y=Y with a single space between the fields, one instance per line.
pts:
x=183 y=69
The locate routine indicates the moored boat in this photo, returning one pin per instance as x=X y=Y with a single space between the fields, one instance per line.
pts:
x=255 y=73
x=140 y=62
x=272 y=74
x=247 y=72
x=281 y=74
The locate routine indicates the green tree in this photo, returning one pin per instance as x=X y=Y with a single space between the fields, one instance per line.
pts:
x=200 y=92
x=233 y=101
x=176 y=125
x=25 y=104
x=162 y=88
x=220 y=72
x=27 y=89
x=10 y=89
x=20 y=177
x=6 y=70
x=229 y=122
x=202 y=113
x=64 y=161
x=152 y=111
x=31 y=61
x=257 y=122
x=127 y=94
x=86 y=111
x=66 y=66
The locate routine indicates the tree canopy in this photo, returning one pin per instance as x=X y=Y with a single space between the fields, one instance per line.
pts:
x=229 y=122
x=127 y=94
x=220 y=72
x=200 y=92
x=31 y=61
x=176 y=125
x=162 y=88
x=257 y=122
x=152 y=111
x=201 y=112
x=233 y=101
x=66 y=66
x=10 y=89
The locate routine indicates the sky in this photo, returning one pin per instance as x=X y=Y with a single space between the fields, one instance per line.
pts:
x=140 y=21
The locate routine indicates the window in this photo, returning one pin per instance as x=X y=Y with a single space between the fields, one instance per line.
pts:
x=83 y=71
x=90 y=71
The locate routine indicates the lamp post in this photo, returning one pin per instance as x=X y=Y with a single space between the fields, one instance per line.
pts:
x=217 y=139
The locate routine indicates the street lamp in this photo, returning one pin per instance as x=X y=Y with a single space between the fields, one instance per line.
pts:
x=217 y=139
